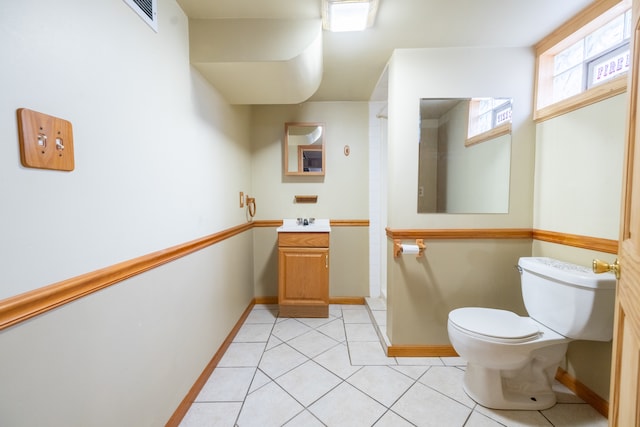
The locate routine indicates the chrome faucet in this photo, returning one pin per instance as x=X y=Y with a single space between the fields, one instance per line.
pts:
x=305 y=221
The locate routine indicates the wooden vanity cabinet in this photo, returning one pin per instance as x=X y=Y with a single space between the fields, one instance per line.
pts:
x=303 y=270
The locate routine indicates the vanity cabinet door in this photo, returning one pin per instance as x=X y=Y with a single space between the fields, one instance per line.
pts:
x=303 y=283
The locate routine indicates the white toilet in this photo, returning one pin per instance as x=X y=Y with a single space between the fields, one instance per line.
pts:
x=512 y=360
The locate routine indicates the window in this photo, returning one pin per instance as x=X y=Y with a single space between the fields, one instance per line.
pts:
x=488 y=119
x=579 y=65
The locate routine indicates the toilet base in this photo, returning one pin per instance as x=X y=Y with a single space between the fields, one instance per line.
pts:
x=495 y=394
x=527 y=388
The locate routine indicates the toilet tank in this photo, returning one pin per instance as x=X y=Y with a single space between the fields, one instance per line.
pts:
x=568 y=298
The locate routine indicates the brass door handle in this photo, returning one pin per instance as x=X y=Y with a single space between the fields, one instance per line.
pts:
x=599 y=266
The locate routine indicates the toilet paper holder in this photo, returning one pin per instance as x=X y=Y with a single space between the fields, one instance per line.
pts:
x=398 y=248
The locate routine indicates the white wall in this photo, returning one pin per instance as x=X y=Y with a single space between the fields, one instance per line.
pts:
x=574 y=188
x=342 y=192
x=458 y=73
x=377 y=198
x=578 y=190
x=159 y=160
x=455 y=273
x=579 y=170
x=148 y=133
x=345 y=124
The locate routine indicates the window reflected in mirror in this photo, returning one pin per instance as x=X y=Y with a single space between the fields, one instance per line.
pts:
x=464 y=155
x=304 y=152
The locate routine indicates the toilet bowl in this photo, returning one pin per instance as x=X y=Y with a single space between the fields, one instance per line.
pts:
x=512 y=360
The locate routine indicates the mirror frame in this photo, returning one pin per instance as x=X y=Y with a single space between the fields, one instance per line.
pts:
x=319 y=147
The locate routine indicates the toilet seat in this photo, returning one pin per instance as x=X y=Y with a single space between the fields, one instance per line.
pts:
x=495 y=325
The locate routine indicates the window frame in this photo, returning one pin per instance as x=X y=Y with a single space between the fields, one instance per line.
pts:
x=495 y=131
x=578 y=27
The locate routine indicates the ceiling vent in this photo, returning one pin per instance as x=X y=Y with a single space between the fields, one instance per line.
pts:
x=147 y=10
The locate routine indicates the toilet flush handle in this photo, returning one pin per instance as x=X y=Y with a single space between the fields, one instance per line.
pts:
x=599 y=266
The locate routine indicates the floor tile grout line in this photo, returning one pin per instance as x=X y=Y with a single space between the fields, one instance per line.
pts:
x=411 y=378
x=447 y=396
x=396 y=414
x=310 y=359
x=345 y=380
x=388 y=409
x=304 y=407
x=335 y=320
x=342 y=380
x=315 y=330
x=256 y=371
x=417 y=380
x=381 y=403
x=467 y=419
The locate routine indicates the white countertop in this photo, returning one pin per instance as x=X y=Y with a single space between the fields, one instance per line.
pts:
x=291 y=226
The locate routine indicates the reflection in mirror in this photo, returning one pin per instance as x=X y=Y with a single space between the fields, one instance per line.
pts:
x=304 y=149
x=465 y=155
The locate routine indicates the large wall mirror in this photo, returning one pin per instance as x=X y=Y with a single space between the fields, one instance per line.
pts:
x=304 y=152
x=465 y=155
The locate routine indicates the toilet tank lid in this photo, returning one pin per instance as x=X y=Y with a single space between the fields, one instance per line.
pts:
x=495 y=323
x=567 y=272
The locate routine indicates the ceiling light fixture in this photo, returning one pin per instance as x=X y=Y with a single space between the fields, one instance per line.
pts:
x=348 y=15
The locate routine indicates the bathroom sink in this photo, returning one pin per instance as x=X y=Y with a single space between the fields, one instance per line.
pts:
x=292 y=226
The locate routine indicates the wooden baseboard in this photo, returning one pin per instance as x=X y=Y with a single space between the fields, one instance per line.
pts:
x=265 y=300
x=303 y=310
x=347 y=300
x=583 y=392
x=191 y=396
x=421 y=351
x=332 y=300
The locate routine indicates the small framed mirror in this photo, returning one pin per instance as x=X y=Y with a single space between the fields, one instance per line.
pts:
x=304 y=152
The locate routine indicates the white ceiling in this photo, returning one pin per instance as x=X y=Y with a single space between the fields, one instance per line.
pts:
x=354 y=62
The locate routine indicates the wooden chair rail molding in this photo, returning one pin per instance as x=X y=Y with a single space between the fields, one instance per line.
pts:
x=461 y=233
x=593 y=243
x=18 y=308
x=21 y=307
x=333 y=223
x=585 y=242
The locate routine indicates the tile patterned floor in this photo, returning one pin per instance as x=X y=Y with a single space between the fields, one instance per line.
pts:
x=334 y=372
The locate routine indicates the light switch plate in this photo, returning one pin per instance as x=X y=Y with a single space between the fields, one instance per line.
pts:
x=46 y=142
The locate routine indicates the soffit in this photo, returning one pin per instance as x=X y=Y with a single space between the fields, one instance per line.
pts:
x=352 y=63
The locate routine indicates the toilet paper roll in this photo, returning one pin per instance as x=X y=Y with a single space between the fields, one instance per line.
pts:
x=410 y=249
